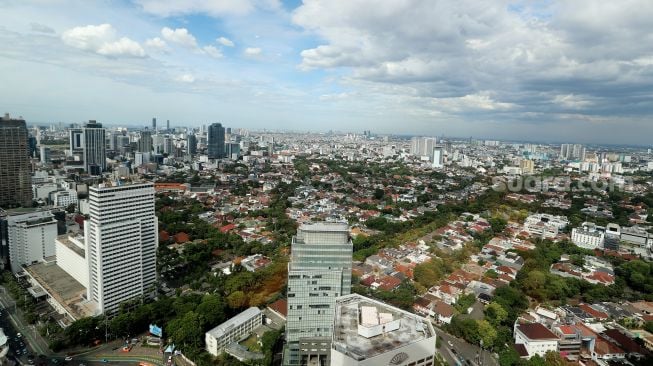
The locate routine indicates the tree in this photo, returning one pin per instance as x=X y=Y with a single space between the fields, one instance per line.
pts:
x=71 y=208
x=378 y=194
x=487 y=333
x=495 y=313
x=237 y=300
x=186 y=330
x=552 y=358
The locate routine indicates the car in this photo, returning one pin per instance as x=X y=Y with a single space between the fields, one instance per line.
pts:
x=19 y=335
x=68 y=358
x=454 y=351
x=54 y=361
x=450 y=343
x=104 y=360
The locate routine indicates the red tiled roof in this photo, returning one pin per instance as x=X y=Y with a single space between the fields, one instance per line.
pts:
x=591 y=311
x=567 y=329
x=388 y=283
x=280 y=306
x=521 y=350
x=536 y=331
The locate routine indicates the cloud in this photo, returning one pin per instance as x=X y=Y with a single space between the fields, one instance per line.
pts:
x=212 y=51
x=180 y=36
x=252 y=52
x=467 y=57
x=102 y=40
x=225 y=42
x=41 y=28
x=214 y=8
x=185 y=78
x=156 y=44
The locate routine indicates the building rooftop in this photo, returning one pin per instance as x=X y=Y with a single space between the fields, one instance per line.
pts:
x=65 y=240
x=536 y=331
x=241 y=318
x=324 y=226
x=364 y=328
x=63 y=288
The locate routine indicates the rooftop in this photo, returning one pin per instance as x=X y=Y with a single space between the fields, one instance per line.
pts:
x=355 y=311
x=324 y=226
x=63 y=288
x=241 y=318
x=536 y=331
x=65 y=240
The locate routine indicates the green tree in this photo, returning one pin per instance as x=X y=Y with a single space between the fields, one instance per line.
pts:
x=495 y=313
x=487 y=333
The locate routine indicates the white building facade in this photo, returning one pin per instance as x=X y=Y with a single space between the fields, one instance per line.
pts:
x=588 y=236
x=233 y=330
x=536 y=339
x=121 y=243
x=30 y=238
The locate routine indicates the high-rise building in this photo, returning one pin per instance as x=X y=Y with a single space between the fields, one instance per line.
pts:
x=15 y=180
x=29 y=236
x=422 y=146
x=572 y=152
x=319 y=271
x=437 y=157
x=145 y=142
x=94 y=146
x=191 y=144
x=154 y=124
x=527 y=166
x=121 y=243
x=368 y=333
x=215 y=143
x=168 y=146
x=167 y=125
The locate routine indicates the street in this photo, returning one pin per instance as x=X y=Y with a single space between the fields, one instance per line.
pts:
x=461 y=352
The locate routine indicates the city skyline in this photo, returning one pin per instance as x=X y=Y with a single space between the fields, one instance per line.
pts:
x=547 y=71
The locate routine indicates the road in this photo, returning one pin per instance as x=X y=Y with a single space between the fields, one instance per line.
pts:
x=463 y=351
x=13 y=314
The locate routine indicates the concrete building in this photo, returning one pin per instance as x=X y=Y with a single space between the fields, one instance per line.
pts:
x=15 y=182
x=534 y=339
x=588 y=236
x=545 y=226
x=319 y=271
x=191 y=144
x=422 y=146
x=94 y=146
x=437 y=158
x=145 y=142
x=121 y=242
x=235 y=329
x=30 y=236
x=527 y=166
x=64 y=198
x=215 y=143
x=71 y=257
x=369 y=333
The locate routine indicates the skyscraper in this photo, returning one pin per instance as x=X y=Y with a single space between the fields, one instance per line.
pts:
x=191 y=144
x=437 y=157
x=145 y=142
x=121 y=242
x=154 y=124
x=15 y=180
x=318 y=272
x=216 y=141
x=167 y=125
x=422 y=146
x=94 y=146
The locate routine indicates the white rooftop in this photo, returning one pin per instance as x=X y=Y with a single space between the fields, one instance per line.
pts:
x=237 y=320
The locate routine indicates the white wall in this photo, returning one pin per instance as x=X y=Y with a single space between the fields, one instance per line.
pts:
x=74 y=264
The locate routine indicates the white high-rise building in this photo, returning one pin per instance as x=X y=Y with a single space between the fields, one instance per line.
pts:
x=422 y=146
x=121 y=243
x=319 y=271
x=30 y=237
x=437 y=158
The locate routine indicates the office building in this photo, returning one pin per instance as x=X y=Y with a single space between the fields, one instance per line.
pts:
x=369 y=333
x=168 y=146
x=215 y=143
x=534 y=339
x=527 y=166
x=29 y=236
x=76 y=141
x=154 y=124
x=94 y=146
x=64 y=198
x=15 y=181
x=588 y=236
x=232 y=150
x=319 y=271
x=235 y=329
x=121 y=242
x=191 y=144
x=145 y=142
x=167 y=125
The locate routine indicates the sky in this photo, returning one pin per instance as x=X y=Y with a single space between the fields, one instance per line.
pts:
x=567 y=71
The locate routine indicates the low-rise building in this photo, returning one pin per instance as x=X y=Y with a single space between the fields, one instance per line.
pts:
x=588 y=236
x=233 y=330
x=535 y=339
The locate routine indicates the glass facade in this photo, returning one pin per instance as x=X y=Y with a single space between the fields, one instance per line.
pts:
x=319 y=271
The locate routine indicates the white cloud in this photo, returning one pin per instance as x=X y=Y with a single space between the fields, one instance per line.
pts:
x=156 y=44
x=212 y=51
x=215 y=8
x=571 y=101
x=185 y=78
x=101 y=39
x=225 y=42
x=253 y=51
x=180 y=36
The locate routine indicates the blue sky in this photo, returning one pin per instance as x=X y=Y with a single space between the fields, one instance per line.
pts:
x=533 y=70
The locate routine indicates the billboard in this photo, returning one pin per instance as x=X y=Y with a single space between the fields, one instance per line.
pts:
x=156 y=331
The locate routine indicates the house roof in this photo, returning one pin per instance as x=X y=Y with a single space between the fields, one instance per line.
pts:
x=536 y=331
x=521 y=350
x=280 y=306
